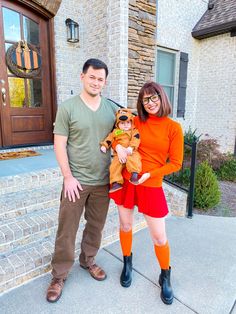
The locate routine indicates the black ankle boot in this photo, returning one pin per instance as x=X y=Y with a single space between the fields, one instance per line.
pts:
x=126 y=275
x=166 y=289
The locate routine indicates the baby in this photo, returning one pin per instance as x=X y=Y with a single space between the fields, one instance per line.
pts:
x=126 y=135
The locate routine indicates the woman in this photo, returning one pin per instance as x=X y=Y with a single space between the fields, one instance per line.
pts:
x=161 y=149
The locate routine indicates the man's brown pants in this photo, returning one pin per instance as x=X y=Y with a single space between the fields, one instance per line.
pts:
x=95 y=201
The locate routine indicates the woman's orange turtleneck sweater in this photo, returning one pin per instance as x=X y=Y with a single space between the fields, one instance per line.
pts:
x=161 y=148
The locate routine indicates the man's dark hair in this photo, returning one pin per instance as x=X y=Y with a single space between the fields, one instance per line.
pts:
x=95 y=64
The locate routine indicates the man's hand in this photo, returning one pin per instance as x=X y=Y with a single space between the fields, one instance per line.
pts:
x=72 y=188
x=122 y=153
x=144 y=177
x=103 y=149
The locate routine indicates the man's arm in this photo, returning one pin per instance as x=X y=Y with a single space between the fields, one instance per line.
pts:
x=71 y=184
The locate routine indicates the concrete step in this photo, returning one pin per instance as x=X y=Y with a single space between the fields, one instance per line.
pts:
x=15 y=204
x=28 y=229
x=31 y=260
x=29 y=180
x=24 y=264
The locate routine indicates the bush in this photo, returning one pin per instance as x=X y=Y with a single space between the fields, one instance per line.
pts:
x=207 y=193
x=182 y=177
x=190 y=136
x=208 y=150
x=227 y=171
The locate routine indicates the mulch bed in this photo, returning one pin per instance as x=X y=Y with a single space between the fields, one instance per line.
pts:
x=227 y=205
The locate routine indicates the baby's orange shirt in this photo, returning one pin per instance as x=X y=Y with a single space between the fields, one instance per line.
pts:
x=161 y=140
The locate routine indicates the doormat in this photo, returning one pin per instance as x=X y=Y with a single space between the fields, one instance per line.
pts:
x=20 y=154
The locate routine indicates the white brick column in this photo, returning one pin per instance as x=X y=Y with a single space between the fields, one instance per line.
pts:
x=69 y=56
x=117 y=23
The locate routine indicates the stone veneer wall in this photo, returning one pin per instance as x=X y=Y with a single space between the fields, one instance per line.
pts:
x=142 y=46
x=176 y=200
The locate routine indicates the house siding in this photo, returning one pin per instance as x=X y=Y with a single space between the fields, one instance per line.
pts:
x=103 y=35
x=175 y=23
x=125 y=35
x=68 y=57
x=212 y=64
x=216 y=106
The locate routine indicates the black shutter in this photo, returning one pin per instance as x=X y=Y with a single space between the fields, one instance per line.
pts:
x=183 y=69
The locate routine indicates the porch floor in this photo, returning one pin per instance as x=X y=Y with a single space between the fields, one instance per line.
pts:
x=17 y=166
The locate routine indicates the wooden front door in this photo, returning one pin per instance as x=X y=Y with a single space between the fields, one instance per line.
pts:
x=25 y=103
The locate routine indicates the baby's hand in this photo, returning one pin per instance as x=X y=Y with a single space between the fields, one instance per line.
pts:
x=129 y=150
x=103 y=149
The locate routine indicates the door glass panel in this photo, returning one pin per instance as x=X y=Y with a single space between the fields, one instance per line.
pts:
x=31 y=31
x=34 y=93
x=6 y=47
x=11 y=23
x=17 y=92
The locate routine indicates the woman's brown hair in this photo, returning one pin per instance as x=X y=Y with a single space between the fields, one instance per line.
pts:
x=151 y=88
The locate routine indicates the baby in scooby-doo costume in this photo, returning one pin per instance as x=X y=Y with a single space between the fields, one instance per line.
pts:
x=126 y=135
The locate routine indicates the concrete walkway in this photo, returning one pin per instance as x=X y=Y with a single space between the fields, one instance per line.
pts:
x=203 y=277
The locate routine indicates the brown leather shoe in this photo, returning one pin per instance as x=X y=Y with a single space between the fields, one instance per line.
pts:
x=96 y=272
x=55 y=290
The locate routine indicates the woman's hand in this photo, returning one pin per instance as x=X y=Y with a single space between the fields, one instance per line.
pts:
x=121 y=153
x=144 y=177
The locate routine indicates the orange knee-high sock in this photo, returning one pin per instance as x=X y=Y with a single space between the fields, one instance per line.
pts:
x=126 y=242
x=163 y=255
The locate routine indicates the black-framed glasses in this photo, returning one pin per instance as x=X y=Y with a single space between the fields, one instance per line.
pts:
x=153 y=98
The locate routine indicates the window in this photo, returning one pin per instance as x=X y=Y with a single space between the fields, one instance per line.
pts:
x=165 y=74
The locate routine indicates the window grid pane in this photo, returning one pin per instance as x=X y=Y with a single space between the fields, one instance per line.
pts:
x=11 y=24
x=166 y=72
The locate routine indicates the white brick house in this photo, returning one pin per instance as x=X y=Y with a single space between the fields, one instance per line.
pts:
x=210 y=95
x=211 y=89
x=169 y=41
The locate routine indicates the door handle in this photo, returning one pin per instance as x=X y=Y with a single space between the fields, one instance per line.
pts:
x=4 y=96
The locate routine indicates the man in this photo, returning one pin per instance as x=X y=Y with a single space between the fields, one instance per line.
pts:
x=81 y=123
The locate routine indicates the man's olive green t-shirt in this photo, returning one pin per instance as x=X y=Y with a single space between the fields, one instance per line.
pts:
x=85 y=129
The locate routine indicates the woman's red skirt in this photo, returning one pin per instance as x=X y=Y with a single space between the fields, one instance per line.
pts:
x=151 y=201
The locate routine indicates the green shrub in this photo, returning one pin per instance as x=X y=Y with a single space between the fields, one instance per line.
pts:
x=182 y=177
x=190 y=136
x=227 y=171
x=206 y=192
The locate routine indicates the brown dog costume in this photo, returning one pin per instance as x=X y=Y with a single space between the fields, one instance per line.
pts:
x=127 y=139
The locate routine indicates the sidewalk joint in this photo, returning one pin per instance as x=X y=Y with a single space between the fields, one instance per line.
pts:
x=233 y=307
x=153 y=282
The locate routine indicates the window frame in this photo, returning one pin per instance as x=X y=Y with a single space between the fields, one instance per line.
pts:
x=176 y=53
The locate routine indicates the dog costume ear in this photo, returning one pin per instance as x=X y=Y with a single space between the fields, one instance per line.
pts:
x=124 y=114
x=118 y=112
